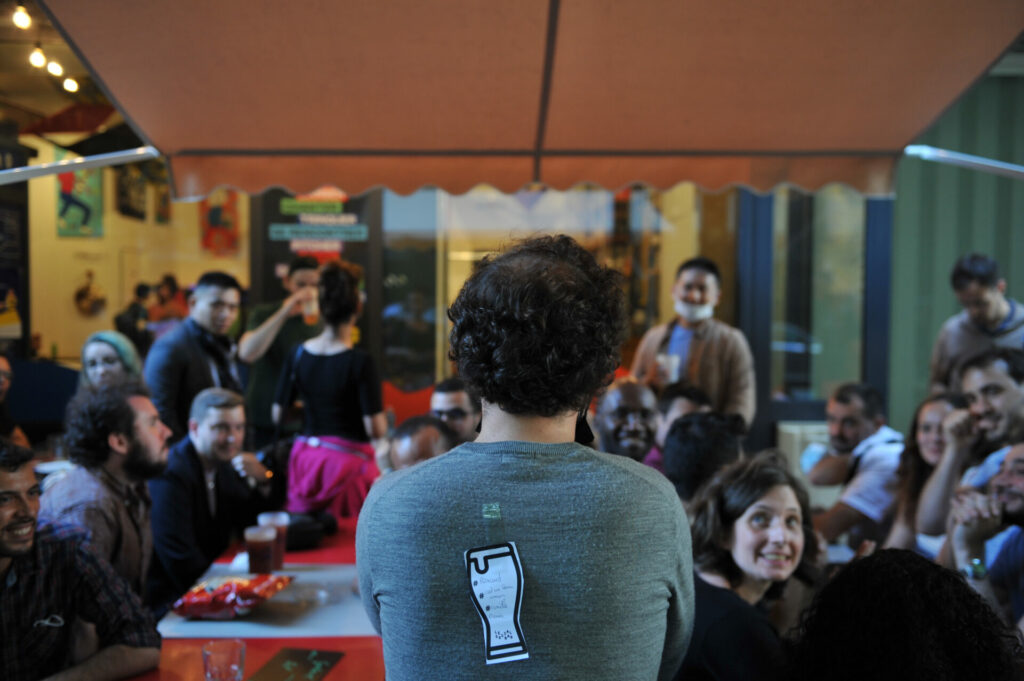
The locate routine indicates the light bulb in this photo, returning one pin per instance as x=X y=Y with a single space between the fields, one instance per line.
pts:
x=55 y=68
x=21 y=18
x=37 y=58
x=71 y=85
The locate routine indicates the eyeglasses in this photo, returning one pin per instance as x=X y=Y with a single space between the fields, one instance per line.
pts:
x=450 y=414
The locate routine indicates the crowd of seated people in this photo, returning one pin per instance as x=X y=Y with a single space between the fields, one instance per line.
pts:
x=656 y=549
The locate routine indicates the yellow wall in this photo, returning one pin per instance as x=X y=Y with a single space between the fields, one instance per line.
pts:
x=128 y=252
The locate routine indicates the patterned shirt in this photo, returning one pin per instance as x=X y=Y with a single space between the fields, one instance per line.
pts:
x=47 y=588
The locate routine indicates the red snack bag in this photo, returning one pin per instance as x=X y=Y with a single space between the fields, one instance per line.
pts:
x=222 y=598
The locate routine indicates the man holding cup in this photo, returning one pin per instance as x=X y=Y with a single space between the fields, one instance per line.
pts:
x=274 y=331
x=210 y=492
x=698 y=349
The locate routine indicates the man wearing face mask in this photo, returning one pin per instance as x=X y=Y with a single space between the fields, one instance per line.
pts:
x=698 y=349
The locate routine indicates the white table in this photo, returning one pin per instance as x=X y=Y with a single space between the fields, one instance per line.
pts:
x=287 y=614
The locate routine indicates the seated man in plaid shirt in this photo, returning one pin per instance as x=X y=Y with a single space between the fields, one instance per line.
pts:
x=48 y=578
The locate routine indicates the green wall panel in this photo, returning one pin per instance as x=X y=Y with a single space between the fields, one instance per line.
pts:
x=942 y=212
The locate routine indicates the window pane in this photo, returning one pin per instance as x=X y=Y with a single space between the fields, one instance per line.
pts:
x=818 y=280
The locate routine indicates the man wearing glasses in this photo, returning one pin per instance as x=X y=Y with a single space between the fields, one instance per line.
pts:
x=452 y=403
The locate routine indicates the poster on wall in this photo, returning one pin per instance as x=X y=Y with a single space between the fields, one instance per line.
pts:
x=79 y=201
x=131 y=191
x=218 y=222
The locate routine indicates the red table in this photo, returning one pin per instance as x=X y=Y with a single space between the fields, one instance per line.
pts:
x=181 y=659
x=337 y=549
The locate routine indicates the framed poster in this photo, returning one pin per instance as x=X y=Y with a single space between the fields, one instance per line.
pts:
x=218 y=222
x=79 y=201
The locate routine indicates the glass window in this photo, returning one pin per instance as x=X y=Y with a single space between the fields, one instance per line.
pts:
x=818 y=291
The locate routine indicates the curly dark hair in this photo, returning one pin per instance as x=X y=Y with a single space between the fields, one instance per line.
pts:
x=727 y=496
x=339 y=292
x=896 y=615
x=537 y=329
x=93 y=414
x=914 y=470
x=699 y=444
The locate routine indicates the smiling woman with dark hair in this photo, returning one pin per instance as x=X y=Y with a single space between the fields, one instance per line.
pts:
x=751 y=531
x=578 y=561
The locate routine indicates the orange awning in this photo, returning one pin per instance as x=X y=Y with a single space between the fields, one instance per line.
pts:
x=454 y=93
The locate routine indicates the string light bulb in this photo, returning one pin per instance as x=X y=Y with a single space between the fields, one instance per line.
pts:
x=71 y=85
x=55 y=69
x=21 y=18
x=37 y=58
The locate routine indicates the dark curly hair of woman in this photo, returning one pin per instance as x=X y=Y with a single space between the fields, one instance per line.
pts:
x=93 y=414
x=896 y=615
x=727 y=496
x=339 y=291
x=537 y=329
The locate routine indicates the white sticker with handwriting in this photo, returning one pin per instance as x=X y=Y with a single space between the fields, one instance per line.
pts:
x=496 y=578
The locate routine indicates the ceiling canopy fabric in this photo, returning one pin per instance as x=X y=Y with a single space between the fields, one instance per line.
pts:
x=455 y=93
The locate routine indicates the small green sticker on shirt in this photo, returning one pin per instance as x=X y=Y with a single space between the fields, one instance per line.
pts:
x=492 y=511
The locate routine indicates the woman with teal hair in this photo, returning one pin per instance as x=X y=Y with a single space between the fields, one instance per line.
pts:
x=108 y=356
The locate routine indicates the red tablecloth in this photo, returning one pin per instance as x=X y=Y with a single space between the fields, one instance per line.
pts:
x=182 y=660
x=337 y=549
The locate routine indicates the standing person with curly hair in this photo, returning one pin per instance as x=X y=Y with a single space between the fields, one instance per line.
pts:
x=751 y=531
x=332 y=464
x=524 y=554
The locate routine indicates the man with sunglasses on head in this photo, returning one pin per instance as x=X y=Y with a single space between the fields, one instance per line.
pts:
x=453 y=404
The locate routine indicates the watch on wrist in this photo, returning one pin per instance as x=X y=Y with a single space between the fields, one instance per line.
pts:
x=975 y=569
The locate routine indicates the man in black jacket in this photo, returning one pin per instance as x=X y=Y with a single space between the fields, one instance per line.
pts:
x=210 y=491
x=196 y=354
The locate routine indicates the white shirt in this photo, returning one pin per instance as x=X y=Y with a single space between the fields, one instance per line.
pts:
x=872 y=491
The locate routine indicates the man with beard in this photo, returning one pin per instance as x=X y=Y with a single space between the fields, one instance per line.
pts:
x=977 y=437
x=864 y=457
x=50 y=580
x=627 y=419
x=210 y=492
x=697 y=349
x=978 y=517
x=115 y=435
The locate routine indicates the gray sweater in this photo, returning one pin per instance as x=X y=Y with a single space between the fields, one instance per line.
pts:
x=605 y=553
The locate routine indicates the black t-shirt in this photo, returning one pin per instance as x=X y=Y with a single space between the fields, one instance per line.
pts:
x=337 y=391
x=732 y=639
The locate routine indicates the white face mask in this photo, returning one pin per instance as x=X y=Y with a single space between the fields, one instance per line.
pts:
x=694 y=313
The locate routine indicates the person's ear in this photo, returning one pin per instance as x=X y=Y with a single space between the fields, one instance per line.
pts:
x=118 y=442
x=1001 y=286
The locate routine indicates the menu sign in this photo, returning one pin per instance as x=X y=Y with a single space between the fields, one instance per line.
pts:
x=297 y=664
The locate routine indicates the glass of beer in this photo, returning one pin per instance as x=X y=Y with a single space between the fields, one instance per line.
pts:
x=259 y=543
x=279 y=521
x=311 y=310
